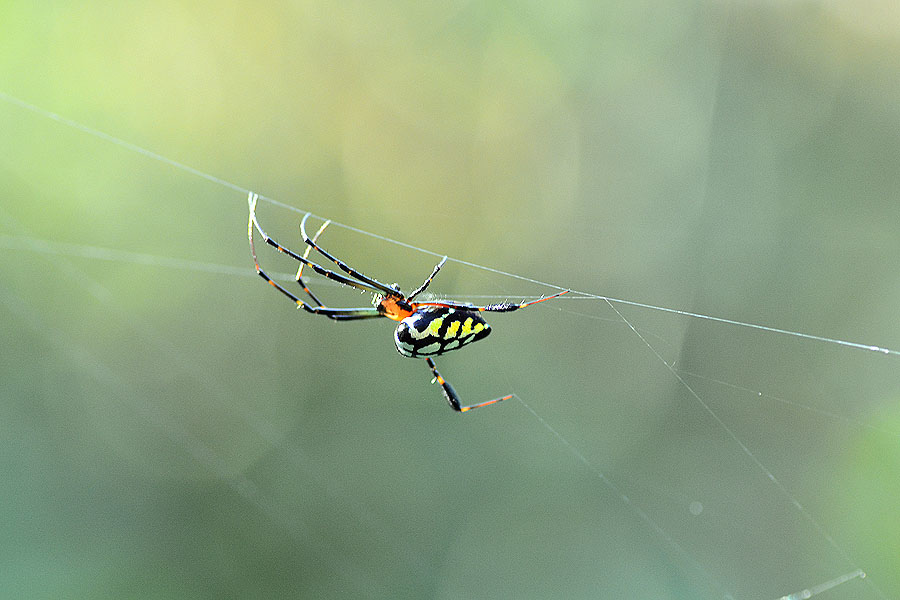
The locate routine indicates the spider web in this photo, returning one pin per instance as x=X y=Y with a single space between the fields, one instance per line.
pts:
x=683 y=455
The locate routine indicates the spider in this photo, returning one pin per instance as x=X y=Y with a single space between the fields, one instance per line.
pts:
x=425 y=329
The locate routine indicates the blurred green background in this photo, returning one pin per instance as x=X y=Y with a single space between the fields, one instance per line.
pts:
x=172 y=428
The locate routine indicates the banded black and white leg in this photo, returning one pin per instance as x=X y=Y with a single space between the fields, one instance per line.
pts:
x=316 y=307
x=501 y=307
x=392 y=289
x=451 y=395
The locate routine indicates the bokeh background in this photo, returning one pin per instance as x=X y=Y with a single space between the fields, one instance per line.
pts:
x=170 y=427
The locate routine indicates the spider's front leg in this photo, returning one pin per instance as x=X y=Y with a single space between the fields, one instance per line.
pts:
x=451 y=395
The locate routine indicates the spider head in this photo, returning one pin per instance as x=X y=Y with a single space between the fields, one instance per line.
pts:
x=394 y=307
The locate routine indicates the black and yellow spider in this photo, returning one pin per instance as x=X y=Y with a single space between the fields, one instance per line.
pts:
x=426 y=329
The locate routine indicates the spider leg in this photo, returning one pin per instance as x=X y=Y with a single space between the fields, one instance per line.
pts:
x=360 y=285
x=374 y=283
x=503 y=307
x=451 y=395
x=422 y=287
x=299 y=277
x=338 y=314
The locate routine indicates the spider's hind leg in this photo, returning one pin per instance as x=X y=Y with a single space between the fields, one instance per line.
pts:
x=451 y=395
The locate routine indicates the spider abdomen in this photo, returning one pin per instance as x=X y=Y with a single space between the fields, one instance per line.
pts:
x=435 y=330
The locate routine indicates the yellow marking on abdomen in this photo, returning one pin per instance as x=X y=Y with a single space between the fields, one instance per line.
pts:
x=467 y=328
x=452 y=330
x=435 y=326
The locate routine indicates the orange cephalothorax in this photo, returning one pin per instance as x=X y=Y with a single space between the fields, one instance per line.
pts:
x=393 y=307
